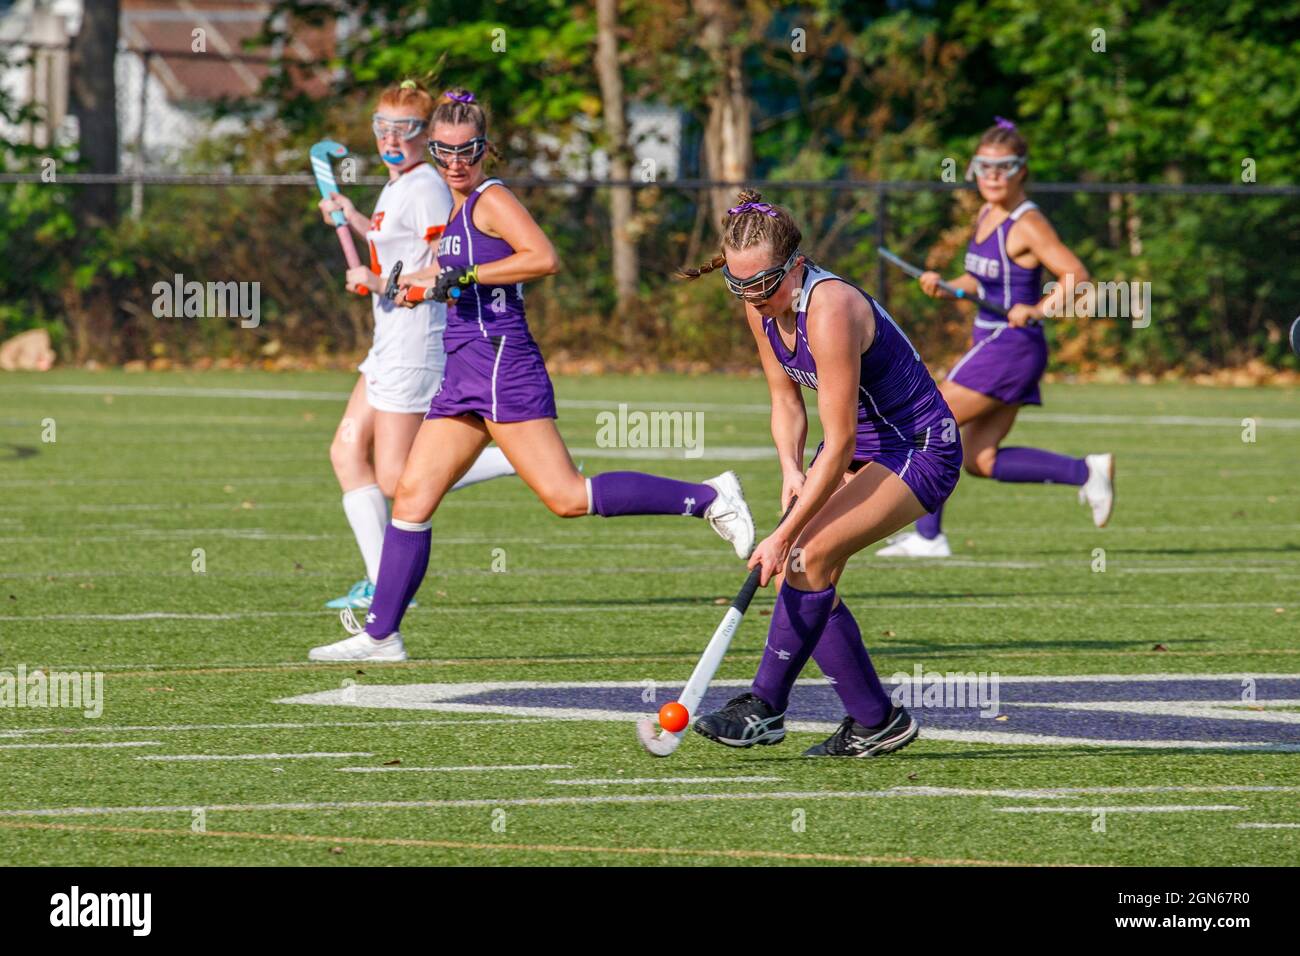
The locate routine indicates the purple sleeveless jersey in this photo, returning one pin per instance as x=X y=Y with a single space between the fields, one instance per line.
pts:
x=494 y=368
x=1004 y=363
x=903 y=421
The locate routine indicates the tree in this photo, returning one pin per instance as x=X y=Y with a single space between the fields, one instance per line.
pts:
x=622 y=241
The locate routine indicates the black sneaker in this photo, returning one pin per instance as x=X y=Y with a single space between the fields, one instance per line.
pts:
x=742 y=722
x=852 y=739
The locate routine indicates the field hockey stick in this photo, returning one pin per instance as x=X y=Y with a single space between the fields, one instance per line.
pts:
x=421 y=293
x=953 y=290
x=1295 y=336
x=324 y=172
x=391 y=289
x=666 y=742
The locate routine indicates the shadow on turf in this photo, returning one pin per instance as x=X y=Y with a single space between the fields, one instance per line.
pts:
x=1002 y=752
x=17 y=452
x=1128 y=643
x=1283 y=549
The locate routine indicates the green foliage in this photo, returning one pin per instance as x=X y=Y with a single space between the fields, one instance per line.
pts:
x=1183 y=92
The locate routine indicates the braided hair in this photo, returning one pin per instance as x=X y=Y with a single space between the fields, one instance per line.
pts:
x=752 y=222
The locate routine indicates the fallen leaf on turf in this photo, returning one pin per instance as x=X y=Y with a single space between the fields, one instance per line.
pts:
x=246 y=505
x=886 y=633
x=764 y=613
x=393 y=763
x=228 y=488
x=298 y=567
x=911 y=776
x=1159 y=647
x=1279 y=610
x=336 y=850
x=1003 y=717
x=719 y=600
x=361 y=672
x=440 y=593
x=87 y=585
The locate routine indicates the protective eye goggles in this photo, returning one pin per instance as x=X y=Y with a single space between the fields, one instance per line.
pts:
x=405 y=128
x=982 y=168
x=444 y=154
x=761 y=285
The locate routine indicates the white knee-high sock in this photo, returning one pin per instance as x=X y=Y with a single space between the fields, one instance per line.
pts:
x=367 y=511
x=491 y=464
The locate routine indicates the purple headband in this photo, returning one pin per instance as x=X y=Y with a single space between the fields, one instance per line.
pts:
x=459 y=97
x=763 y=207
x=1003 y=123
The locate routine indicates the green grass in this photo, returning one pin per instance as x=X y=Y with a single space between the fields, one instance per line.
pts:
x=1202 y=559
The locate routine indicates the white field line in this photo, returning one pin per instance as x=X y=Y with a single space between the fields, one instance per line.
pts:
x=483 y=606
x=1168 y=808
x=187 y=728
x=527 y=802
x=707 y=453
x=82 y=746
x=444 y=691
x=1268 y=826
x=639 y=781
x=127 y=507
x=1066 y=793
x=172 y=758
x=443 y=698
x=521 y=766
x=1224 y=710
x=754 y=408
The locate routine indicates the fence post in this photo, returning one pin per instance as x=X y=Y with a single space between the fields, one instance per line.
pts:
x=882 y=212
x=137 y=187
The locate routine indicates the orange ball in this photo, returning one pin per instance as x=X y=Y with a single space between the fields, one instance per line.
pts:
x=673 y=717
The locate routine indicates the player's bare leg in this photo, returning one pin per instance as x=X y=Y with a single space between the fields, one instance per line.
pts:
x=443 y=450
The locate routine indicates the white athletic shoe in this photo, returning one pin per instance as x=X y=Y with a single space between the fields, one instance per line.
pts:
x=910 y=544
x=1098 y=492
x=729 y=515
x=360 y=646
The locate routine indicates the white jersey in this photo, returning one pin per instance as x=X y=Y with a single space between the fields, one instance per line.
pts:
x=407 y=223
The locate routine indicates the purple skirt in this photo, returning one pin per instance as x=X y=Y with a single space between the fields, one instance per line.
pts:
x=930 y=470
x=501 y=378
x=1004 y=363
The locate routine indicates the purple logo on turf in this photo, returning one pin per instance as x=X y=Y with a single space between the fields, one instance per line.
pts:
x=1177 y=711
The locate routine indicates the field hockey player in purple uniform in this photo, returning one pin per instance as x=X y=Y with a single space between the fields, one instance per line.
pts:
x=404 y=366
x=890 y=454
x=496 y=388
x=986 y=388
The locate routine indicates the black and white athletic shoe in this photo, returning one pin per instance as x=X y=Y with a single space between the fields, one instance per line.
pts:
x=852 y=739
x=742 y=722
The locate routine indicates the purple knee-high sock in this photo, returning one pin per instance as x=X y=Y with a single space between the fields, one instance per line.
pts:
x=634 y=493
x=402 y=564
x=1036 y=465
x=844 y=659
x=797 y=624
x=931 y=525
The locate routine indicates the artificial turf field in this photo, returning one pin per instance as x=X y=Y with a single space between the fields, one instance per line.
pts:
x=98 y=531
